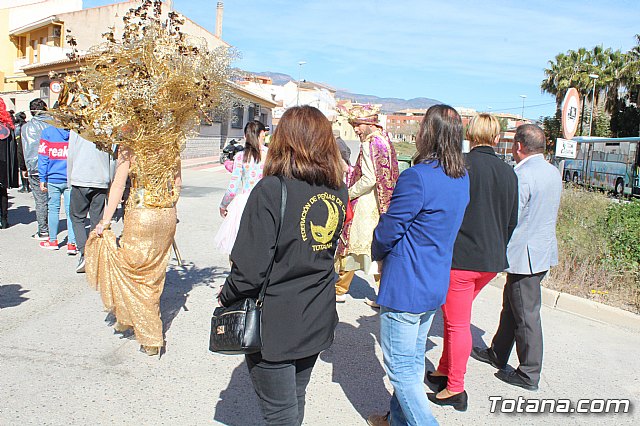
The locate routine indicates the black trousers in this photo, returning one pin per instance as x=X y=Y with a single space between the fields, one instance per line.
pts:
x=4 y=202
x=520 y=324
x=281 y=387
x=83 y=201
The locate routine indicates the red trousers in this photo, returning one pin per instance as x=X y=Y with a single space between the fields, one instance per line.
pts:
x=464 y=286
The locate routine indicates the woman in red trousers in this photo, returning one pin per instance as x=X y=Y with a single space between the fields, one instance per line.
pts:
x=480 y=252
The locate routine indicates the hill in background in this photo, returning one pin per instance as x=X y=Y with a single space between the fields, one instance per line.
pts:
x=389 y=105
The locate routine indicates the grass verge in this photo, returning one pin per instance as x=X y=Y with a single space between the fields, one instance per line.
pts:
x=599 y=249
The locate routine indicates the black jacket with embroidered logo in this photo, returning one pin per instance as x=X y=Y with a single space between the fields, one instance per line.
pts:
x=299 y=314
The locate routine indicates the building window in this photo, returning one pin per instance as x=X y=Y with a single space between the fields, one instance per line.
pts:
x=237 y=118
x=44 y=90
x=22 y=47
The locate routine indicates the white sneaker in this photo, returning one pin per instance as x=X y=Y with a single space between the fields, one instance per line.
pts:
x=341 y=298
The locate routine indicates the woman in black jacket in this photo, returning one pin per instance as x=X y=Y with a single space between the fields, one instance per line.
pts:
x=299 y=314
x=8 y=162
x=479 y=253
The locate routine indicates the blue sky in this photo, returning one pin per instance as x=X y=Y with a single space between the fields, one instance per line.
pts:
x=478 y=54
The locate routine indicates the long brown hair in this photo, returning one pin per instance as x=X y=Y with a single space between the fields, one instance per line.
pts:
x=303 y=147
x=252 y=141
x=440 y=138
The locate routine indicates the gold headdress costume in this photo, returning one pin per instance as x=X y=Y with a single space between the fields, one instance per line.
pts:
x=146 y=92
x=359 y=113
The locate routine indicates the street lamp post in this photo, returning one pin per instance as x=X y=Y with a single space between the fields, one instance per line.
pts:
x=300 y=64
x=586 y=174
x=593 y=95
x=523 y=98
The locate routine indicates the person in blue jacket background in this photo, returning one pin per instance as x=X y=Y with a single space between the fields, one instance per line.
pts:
x=52 y=168
x=414 y=240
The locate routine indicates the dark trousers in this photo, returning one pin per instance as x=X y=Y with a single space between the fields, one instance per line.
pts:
x=281 y=387
x=42 y=204
x=83 y=201
x=4 y=202
x=25 y=182
x=520 y=324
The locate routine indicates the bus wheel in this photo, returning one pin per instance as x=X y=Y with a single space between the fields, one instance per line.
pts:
x=619 y=188
x=575 y=178
x=567 y=176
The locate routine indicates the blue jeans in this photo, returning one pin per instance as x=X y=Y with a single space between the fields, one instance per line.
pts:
x=56 y=190
x=403 y=337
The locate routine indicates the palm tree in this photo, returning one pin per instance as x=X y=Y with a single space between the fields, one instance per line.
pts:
x=568 y=70
x=615 y=70
x=630 y=73
x=614 y=78
x=554 y=82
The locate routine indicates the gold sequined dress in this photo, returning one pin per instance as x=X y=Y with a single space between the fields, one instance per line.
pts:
x=130 y=274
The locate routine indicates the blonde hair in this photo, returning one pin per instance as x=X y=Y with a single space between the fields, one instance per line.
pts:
x=483 y=130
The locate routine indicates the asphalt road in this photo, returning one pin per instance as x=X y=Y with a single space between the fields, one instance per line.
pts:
x=61 y=364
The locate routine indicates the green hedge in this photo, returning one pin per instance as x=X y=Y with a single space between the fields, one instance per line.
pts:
x=623 y=228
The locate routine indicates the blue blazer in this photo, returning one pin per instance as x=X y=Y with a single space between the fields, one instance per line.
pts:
x=415 y=238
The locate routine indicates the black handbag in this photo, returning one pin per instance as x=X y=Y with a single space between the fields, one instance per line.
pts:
x=236 y=329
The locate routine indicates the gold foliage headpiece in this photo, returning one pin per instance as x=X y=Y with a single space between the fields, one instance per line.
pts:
x=359 y=113
x=149 y=90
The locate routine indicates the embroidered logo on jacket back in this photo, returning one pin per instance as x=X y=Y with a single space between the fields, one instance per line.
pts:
x=320 y=220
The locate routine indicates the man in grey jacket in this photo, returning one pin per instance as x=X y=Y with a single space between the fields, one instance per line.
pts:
x=30 y=135
x=89 y=172
x=531 y=251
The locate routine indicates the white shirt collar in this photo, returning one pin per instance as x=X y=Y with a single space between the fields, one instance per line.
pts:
x=527 y=159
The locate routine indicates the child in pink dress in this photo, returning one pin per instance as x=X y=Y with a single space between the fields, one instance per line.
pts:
x=247 y=171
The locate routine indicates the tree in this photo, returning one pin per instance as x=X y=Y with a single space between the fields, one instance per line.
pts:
x=602 y=125
x=618 y=77
x=504 y=123
x=552 y=130
x=630 y=74
x=568 y=70
x=625 y=120
x=407 y=131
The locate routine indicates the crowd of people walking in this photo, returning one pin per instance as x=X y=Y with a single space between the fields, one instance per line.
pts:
x=432 y=237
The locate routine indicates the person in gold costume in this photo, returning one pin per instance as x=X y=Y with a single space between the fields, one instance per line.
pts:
x=144 y=94
x=131 y=277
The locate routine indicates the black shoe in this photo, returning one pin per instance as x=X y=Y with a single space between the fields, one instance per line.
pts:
x=458 y=401
x=110 y=319
x=22 y=190
x=486 y=355
x=513 y=378
x=4 y=223
x=441 y=381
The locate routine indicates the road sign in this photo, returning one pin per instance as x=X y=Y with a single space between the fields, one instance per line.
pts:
x=566 y=148
x=55 y=86
x=570 y=113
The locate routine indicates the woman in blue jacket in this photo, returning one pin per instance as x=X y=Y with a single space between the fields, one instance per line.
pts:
x=414 y=239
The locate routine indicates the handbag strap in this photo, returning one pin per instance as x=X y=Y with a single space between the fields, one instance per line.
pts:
x=283 y=205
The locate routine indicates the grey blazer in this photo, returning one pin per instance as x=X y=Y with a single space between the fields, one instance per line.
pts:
x=533 y=246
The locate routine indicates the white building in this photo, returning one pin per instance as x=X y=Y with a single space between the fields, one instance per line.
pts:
x=292 y=94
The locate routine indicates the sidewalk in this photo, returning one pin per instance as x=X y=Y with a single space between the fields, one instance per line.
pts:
x=202 y=162
x=61 y=364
